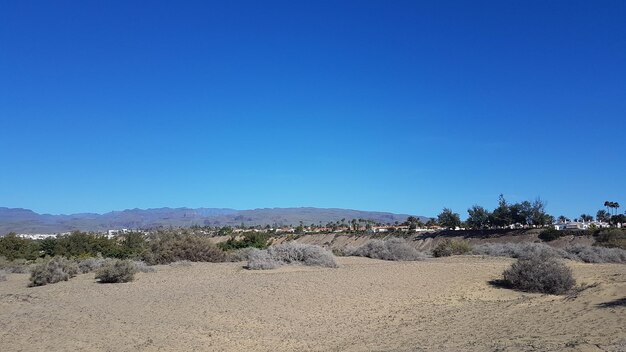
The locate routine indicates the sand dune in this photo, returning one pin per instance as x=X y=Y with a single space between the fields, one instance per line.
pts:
x=442 y=304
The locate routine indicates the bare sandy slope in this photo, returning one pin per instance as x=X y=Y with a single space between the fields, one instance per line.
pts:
x=365 y=305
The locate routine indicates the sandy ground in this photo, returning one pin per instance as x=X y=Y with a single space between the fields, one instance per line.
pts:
x=441 y=304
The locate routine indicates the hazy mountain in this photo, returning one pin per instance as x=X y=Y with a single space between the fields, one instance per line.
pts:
x=27 y=221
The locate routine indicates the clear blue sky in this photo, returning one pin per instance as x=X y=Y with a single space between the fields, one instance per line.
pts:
x=376 y=105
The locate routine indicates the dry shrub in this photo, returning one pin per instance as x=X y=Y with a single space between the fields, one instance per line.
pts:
x=165 y=248
x=142 y=267
x=115 y=271
x=16 y=266
x=239 y=255
x=539 y=274
x=291 y=254
x=449 y=247
x=389 y=249
x=589 y=254
x=519 y=250
x=53 y=270
x=91 y=264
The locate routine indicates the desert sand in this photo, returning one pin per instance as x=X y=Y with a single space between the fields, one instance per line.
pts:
x=444 y=304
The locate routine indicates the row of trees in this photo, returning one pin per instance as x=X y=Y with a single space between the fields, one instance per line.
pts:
x=525 y=213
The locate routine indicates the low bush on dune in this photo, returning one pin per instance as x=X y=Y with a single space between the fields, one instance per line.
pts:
x=116 y=271
x=550 y=235
x=165 y=248
x=88 y=265
x=518 y=250
x=53 y=270
x=449 y=247
x=16 y=266
x=290 y=254
x=587 y=254
x=612 y=238
x=143 y=267
x=389 y=249
x=539 y=274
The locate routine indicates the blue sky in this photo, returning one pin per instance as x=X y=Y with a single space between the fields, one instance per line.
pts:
x=375 y=105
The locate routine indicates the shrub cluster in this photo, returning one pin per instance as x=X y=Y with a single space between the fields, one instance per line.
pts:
x=115 y=271
x=588 y=254
x=539 y=274
x=166 y=248
x=249 y=239
x=518 y=250
x=53 y=270
x=449 y=247
x=291 y=254
x=88 y=265
x=613 y=238
x=393 y=248
x=17 y=266
x=76 y=244
x=143 y=267
x=550 y=234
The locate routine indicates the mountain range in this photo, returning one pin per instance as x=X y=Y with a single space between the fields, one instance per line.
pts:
x=27 y=221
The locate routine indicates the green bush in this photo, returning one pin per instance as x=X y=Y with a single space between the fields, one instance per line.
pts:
x=614 y=238
x=167 y=247
x=14 y=247
x=449 y=247
x=53 y=270
x=550 y=235
x=249 y=239
x=539 y=274
x=116 y=271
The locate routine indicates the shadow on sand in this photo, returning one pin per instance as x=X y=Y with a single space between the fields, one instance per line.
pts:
x=621 y=302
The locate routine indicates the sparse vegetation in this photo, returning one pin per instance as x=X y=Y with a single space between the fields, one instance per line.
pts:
x=289 y=254
x=116 y=271
x=449 y=247
x=3 y=276
x=389 y=249
x=539 y=274
x=53 y=270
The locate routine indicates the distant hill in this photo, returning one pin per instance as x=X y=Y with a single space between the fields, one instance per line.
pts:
x=27 y=221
